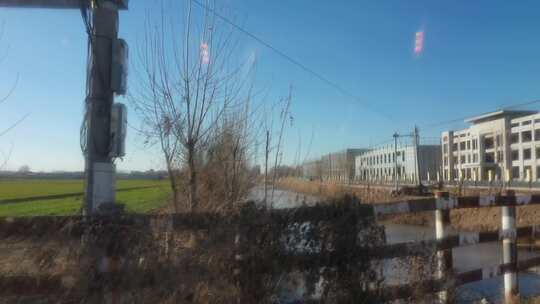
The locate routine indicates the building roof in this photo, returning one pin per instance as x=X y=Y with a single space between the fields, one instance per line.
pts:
x=498 y=114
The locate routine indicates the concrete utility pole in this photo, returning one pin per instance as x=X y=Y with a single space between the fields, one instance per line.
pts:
x=415 y=138
x=266 y=154
x=99 y=168
x=396 y=182
x=416 y=163
x=99 y=183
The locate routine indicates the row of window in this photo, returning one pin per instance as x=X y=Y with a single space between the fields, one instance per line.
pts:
x=525 y=154
x=473 y=158
x=524 y=123
x=375 y=172
x=387 y=158
x=464 y=145
x=490 y=143
x=526 y=136
x=515 y=173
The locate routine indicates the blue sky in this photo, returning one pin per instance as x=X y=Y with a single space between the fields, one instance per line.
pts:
x=478 y=56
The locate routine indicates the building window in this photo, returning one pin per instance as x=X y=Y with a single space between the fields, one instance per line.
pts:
x=537 y=152
x=488 y=142
x=474 y=144
x=527 y=122
x=526 y=136
x=468 y=144
x=515 y=124
x=462 y=159
x=475 y=158
x=499 y=156
x=455 y=160
x=515 y=154
x=515 y=172
x=403 y=156
x=469 y=158
x=454 y=147
x=527 y=172
x=537 y=172
x=462 y=145
x=527 y=153
x=468 y=173
x=514 y=138
x=489 y=158
x=537 y=134
x=498 y=140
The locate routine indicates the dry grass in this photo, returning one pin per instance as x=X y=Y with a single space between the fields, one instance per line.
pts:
x=188 y=267
x=334 y=190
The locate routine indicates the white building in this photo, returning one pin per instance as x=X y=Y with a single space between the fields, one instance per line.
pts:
x=380 y=164
x=496 y=144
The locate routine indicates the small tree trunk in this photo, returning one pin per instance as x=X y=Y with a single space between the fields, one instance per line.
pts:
x=174 y=185
x=193 y=200
x=266 y=167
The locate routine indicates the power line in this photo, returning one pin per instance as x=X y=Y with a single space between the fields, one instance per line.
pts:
x=461 y=119
x=522 y=104
x=3 y=132
x=292 y=60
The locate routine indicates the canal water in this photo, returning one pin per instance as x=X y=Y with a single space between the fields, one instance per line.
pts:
x=396 y=271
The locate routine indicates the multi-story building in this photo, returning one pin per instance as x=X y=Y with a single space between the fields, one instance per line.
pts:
x=495 y=143
x=381 y=163
x=336 y=166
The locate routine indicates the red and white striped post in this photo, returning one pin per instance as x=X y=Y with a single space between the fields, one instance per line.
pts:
x=511 y=289
x=442 y=229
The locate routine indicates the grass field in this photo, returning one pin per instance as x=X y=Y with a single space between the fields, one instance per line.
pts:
x=154 y=195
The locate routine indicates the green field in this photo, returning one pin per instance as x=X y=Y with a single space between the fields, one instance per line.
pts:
x=154 y=195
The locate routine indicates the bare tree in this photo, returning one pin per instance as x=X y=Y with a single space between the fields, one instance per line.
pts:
x=229 y=157
x=273 y=143
x=285 y=116
x=6 y=155
x=187 y=86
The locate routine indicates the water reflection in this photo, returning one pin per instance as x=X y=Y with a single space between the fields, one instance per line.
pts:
x=398 y=271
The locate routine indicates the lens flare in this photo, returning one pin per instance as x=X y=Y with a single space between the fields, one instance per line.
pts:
x=205 y=53
x=419 y=43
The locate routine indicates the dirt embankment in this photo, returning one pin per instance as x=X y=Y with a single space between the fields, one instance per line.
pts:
x=473 y=219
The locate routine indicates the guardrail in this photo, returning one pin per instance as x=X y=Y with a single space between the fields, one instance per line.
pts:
x=341 y=218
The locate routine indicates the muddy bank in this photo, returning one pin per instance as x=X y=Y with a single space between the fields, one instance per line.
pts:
x=474 y=219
